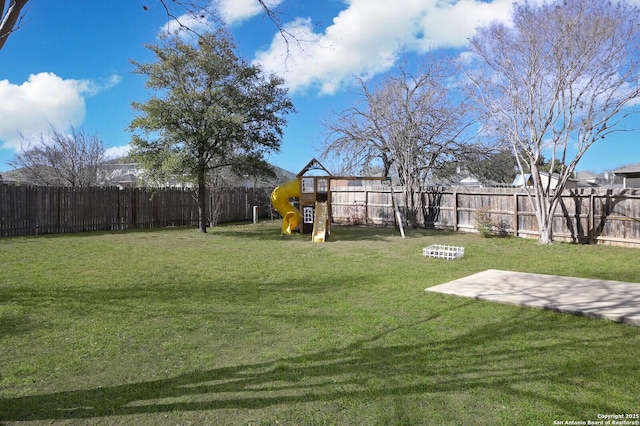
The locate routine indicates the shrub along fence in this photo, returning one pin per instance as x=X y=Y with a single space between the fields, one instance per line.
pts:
x=593 y=216
x=31 y=210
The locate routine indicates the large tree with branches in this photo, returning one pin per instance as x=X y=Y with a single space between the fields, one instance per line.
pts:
x=557 y=79
x=212 y=111
x=411 y=124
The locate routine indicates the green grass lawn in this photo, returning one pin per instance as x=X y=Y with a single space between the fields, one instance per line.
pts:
x=242 y=326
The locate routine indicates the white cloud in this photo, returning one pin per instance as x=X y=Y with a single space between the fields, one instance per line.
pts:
x=236 y=11
x=230 y=11
x=44 y=100
x=366 y=38
x=115 y=152
x=199 y=23
x=450 y=24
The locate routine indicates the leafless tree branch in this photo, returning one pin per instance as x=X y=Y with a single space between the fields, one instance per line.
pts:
x=61 y=159
x=10 y=19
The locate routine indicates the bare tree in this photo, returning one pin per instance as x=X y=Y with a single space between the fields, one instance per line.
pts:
x=61 y=159
x=412 y=124
x=562 y=76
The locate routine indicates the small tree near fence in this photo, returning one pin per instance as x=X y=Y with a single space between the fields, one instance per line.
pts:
x=487 y=227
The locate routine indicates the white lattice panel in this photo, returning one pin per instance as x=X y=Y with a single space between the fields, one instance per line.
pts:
x=439 y=251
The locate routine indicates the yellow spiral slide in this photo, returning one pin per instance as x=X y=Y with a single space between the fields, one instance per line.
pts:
x=280 y=196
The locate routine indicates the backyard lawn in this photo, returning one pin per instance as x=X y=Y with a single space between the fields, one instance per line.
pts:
x=243 y=326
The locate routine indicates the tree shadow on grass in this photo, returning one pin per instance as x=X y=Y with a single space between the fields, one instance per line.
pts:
x=367 y=369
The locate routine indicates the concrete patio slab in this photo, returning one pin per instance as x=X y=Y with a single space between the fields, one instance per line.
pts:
x=612 y=300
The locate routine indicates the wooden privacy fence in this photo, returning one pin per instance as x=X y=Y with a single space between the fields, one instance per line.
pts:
x=31 y=210
x=594 y=216
x=584 y=215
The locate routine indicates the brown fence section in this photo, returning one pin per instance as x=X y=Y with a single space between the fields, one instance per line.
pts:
x=31 y=210
x=585 y=215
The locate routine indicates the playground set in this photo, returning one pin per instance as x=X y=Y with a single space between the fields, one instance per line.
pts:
x=312 y=189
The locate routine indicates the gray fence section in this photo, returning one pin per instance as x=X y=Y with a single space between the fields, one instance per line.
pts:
x=31 y=210
x=594 y=216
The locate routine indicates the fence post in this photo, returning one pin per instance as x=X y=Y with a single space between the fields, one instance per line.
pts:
x=366 y=206
x=133 y=218
x=592 y=219
x=515 y=214
x=455 y=211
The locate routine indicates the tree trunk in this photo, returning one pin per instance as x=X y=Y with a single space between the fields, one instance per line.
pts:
x=202 y=201
x=547 y=200
x=542 y=203
x=546 y=231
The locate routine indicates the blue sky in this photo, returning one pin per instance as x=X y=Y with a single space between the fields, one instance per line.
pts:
x=69 y=64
